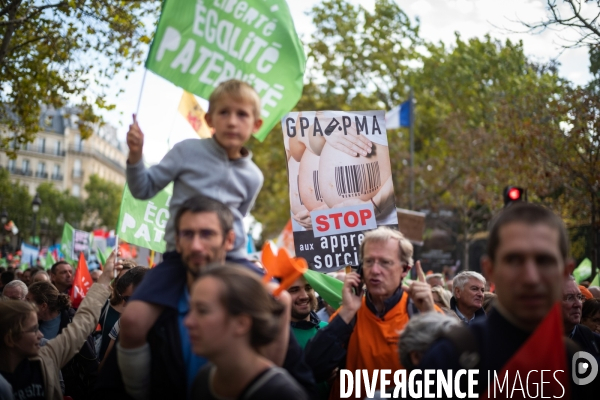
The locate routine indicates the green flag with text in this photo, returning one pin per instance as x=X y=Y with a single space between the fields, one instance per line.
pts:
x=199 y=44
x=143 y=222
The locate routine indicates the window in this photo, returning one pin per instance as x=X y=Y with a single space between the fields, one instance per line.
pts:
x=56 y=170
x=41 y=168
x=77 y=168
x=42 y=145
x=25 y=165
x=75 y=191
x=12 y=165
x=58 y=144
x=78 y=143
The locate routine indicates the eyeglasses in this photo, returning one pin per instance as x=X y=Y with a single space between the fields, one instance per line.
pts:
x=190 y=234
x=570 y=298
x=369 y=262
x=34 y=329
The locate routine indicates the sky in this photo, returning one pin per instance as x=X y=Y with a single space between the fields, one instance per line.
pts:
x=439 y=19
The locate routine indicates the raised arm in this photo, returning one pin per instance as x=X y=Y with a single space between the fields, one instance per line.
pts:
x=144 y=183
x=64 y=347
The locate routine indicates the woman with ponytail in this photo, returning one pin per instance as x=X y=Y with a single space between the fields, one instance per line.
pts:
x=53 y=308
x=33 y=372
x=232 y=318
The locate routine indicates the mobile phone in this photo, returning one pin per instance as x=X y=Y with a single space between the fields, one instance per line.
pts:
x=358 y=290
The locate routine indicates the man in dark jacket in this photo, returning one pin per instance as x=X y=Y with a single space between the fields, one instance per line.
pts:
x=572 y=303
x=204 y=233
x=527 y=260
x=467 y=300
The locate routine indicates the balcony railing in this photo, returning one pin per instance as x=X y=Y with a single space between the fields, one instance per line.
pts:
x=86 y=150
x=19 y=171
x=57 y=177
x=43 y=175
x=43 y=150
x=77 y=173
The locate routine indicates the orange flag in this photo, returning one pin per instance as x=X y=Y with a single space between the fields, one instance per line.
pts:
x=544 y=350
x=81 y=282
x=194 y=114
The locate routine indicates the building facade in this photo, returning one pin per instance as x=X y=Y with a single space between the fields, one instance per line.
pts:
x=58 y=155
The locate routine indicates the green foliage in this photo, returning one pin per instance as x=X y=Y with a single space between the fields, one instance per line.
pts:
x=54 y=51
x=56 y=209
x=103 y=202
x=486 y=117
x=15 y=198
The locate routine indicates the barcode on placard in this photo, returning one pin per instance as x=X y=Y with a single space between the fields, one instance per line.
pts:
x=316 y=185
x=356 y=180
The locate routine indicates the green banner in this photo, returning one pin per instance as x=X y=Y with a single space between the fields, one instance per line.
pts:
x=329 y=288
x=66 y=243
x=143 y=222
x=583 y=270
x=199 y=44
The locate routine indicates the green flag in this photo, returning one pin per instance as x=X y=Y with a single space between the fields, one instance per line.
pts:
x=596 y=281
x=66 y=243
x=103 y=256
x=199 y=44
x=330 y=289
x=143 y=222
x=49 y=260
x=583 y=271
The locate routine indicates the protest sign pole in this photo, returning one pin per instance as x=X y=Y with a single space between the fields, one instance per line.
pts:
x=137 y=110
x=412 y=150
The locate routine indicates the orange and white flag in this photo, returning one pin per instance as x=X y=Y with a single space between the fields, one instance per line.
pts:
x=194 y=114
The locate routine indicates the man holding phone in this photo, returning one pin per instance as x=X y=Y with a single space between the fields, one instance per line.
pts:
x=364 y=333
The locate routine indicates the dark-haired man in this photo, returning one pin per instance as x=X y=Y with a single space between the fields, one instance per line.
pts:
x=61 y=276
x=305 y=322
x=204 y=234
x=527 y=260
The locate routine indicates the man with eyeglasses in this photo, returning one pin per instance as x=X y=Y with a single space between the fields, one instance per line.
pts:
x=572 y=303
x=363 y=333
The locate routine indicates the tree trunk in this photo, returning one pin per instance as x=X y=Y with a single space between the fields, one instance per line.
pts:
x=10 y=29
x=594 y=238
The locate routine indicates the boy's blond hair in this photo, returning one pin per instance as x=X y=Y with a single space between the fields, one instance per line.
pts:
x=237 y=89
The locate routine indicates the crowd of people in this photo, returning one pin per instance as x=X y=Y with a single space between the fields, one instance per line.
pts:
x=204 y=324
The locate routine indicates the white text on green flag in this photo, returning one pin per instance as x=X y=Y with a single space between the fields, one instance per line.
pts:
x=143 y=222
x=199 y=44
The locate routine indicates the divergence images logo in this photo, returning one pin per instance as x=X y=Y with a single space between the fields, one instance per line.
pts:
x=581 y=363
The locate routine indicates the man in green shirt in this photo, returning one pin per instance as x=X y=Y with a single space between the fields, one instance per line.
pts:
x=305 y=322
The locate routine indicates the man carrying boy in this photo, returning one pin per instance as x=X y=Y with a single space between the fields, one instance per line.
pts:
x=218 y=167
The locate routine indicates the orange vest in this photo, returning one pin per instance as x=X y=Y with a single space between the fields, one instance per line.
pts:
x=374 y=343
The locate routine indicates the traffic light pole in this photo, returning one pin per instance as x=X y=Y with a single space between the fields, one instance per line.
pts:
x=412 y=150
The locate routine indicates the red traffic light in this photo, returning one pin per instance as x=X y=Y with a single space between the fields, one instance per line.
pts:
x=514 y=194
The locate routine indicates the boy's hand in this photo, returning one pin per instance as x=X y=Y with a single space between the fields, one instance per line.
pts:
x=135 y=141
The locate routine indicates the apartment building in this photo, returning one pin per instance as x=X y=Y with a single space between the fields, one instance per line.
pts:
x=58 y=155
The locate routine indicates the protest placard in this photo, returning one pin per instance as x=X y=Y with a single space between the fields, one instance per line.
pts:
x=340 y=181
x=81 y=244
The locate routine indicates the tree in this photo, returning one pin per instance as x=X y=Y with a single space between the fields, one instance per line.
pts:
x=57 y=208
x=103 y=202
x=564 y=145
x=576 y=15
x=55 y=52
x=15 y=198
